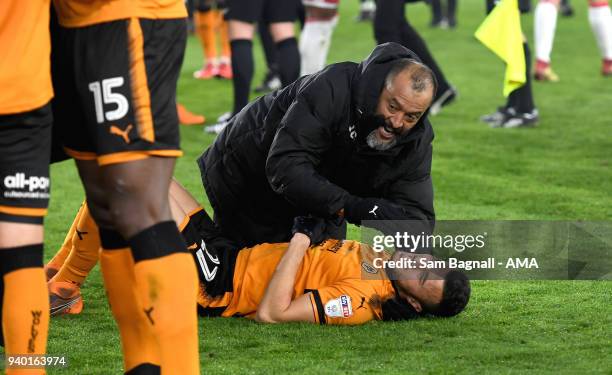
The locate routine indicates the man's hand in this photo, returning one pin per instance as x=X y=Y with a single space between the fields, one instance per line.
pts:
x=312 y=227
x=357 y=209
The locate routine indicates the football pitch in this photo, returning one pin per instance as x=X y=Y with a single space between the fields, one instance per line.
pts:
x=559 y=170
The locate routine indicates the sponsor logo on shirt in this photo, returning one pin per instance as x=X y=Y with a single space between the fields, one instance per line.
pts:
x=340 y=307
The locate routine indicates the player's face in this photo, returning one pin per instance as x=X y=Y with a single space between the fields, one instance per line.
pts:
x=401 y=107
x=421 y=286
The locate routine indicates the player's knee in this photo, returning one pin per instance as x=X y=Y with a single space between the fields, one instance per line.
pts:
x=97 y=202
x=132 y=213
x=281 y=31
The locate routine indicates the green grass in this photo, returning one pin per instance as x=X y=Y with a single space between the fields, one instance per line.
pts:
x=559 y=170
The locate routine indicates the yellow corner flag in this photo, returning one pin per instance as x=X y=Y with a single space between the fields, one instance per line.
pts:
x=501 y=33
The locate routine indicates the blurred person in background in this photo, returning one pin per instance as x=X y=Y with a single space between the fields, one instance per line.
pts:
x=208 y=24
x=519 y=109
x=315 y=39
x=444 y=17
x=242 y=15
x=391 y=25
x=545 y=22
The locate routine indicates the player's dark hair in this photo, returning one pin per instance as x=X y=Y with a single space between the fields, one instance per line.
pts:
x=455 y=295
x=421 y=75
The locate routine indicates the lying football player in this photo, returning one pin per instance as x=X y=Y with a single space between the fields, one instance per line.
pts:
x=308 y=280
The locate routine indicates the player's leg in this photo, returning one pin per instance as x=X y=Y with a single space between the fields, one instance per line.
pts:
x=53 y=266
x=315 y=39
x=282 y=14
x=436 y=13
x=139 y=344
x=600 y=18
x=205 y=20
x=241 y=16
x=271 y=79
x=520 y=109
x=451 y=13
x=137 y=189
x=164 y=271
x=225 y=59
x=545 y=22
x=25 y=146
x=241 y=36
x=84 y=244
x=126 y=182
x=64 y=287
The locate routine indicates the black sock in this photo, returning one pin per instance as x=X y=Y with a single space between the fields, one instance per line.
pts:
x=268 y=46
x=110 y=239
x=242 y=67
x=145 y=369
x=413 y=41
x=157 y=241
x=521 y=99
x=288 y=60
x=436 y=10
x=451 y=7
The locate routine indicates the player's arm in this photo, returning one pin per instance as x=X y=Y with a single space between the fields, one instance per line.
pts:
x=277 y=305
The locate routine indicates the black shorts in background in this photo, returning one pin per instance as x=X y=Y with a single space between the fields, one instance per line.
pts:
x=267 y=11
x=115 y=88
x=25 y=149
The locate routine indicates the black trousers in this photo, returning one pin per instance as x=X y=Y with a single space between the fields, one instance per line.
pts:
x=391 y=25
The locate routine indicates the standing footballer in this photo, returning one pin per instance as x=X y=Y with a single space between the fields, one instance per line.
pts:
x=117 y=69
x=25 y=147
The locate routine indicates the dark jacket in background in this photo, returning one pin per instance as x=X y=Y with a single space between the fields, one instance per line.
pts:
x=302 y=150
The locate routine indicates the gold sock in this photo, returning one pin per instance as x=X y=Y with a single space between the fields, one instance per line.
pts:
x=206 y=23
x=25 y=314
x=85 y=249
x=168 y=288
x=224 y=36
x=138 y=341
x=60 y=257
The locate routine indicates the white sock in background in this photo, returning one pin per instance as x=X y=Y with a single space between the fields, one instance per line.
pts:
x=600 y=18
x=314 y=44
x=545 y=22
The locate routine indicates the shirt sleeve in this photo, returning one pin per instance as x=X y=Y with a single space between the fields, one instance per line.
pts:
x=349 y=302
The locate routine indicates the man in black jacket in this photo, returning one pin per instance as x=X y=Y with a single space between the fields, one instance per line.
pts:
x=350 y=142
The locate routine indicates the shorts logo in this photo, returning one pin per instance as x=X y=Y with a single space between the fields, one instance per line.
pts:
x=208 y=274
x=122 y=133
x=20 y=186
x=340 y=307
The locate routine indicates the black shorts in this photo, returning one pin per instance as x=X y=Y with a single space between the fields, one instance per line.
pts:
x=206 y=5
x=25 y=149
x=214 y=256
x=115 y=88
x=267 y=11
